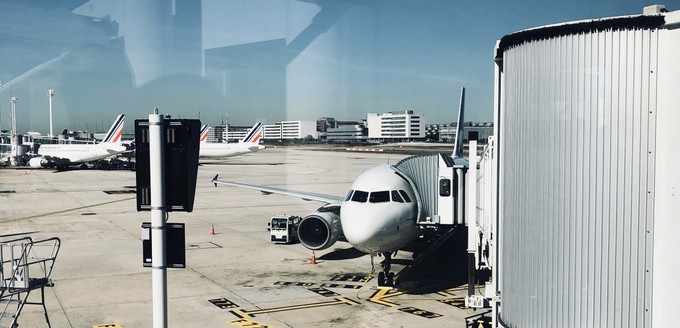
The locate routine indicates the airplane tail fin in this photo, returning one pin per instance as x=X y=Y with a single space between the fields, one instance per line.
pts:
x=116 y=131
x=255 y=134
x=458 y=145
x=204 y=133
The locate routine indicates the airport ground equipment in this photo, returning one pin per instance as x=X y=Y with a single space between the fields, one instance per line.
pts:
x=283 y=229
x=26 y=265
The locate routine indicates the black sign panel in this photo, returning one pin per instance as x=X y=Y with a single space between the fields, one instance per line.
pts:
x=180 y=149
x=175 y=256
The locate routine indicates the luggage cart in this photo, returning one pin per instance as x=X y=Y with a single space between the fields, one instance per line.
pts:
x=26 y=265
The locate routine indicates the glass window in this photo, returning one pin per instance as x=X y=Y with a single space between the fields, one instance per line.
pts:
x=360 y=196
x=396 y=197
x=379 y=197
x=349 y=195
x=405 y=195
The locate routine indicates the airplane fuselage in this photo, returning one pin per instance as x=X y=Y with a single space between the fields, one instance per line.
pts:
x=79 y=153
x=227 y=149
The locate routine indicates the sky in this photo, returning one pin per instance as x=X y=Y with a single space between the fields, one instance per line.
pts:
x=260 y=60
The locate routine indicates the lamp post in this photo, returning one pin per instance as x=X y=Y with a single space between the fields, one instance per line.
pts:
x=13 y=101
x=50 y=94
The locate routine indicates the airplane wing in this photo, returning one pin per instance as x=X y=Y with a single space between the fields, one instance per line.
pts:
x=271 y=190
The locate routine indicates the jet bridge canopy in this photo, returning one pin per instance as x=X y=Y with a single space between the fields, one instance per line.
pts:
x=435 y=182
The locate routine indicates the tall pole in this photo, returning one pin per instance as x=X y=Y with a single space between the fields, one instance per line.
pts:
x=13 y=101
x=50 y=94
x=0 y=113
x=158 y=263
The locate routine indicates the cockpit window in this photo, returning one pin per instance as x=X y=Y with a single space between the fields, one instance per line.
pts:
x=396 y=197
x=405 y=195
x=349 y=195
x=360 y=196
x=379 y=197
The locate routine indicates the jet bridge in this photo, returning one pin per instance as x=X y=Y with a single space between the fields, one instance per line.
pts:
x=438 y=181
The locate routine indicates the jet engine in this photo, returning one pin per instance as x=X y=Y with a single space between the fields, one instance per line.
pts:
x=38 y=162
x=321 y=229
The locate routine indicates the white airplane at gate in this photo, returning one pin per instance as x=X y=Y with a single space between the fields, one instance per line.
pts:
x=250 y=143
x=64 y=155
x=377 y=216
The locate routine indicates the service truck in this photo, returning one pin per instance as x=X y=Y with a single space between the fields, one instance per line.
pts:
x=283 y=229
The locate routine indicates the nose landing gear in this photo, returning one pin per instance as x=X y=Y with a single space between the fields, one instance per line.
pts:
x=386 y=278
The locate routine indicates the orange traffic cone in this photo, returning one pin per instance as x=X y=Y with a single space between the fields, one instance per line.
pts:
x=212 y=230
x=313 y=261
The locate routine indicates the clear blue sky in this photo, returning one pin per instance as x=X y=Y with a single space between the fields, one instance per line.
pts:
x=261 y=60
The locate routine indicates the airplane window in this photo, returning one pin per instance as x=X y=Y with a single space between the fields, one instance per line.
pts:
x=360 y=196
x=349 y=195
x=396 y=197
x=405 y=195
x=379 y=197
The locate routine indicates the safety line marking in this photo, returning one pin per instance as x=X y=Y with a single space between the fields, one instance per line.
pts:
x=248 y=323
x=324 y=292
x=249 y=314
x=381 y=294
x=341 y=286
x=421 y=313
x=223 y=303
x=352 y=278
x=291 y=283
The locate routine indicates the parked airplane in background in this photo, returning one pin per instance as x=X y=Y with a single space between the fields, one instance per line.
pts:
x=378 y=215
x=64 y=155
x=250 y=143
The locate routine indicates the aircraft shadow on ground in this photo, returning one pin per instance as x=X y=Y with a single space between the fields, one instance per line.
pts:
x=342 y=254
x=442 y=269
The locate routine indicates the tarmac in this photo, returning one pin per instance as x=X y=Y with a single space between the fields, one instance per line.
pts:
x=234 y=278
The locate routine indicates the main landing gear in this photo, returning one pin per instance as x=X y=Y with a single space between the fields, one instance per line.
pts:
x=386 y=278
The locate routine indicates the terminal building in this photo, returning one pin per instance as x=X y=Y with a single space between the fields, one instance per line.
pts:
x=334 y=131
x=290 y=130
x=471 y=131
x=397 y=126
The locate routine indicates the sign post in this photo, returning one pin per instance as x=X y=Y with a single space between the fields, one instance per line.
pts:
x=167 y=165
x=158 y=266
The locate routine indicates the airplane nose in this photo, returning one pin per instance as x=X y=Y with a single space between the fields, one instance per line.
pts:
x=362 y=228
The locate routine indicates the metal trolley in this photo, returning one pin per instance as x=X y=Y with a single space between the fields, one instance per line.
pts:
x=26 y=265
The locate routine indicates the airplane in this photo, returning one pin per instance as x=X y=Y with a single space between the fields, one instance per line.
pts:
x=64 y=155
x=250 y=143
x=377 y=216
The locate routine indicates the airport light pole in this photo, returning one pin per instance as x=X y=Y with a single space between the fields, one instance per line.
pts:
x=0 y=113
x=158 y=213
x=13 y=101
x=50 y=94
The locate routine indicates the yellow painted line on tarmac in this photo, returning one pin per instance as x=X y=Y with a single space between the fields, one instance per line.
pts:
x=249 y=314
x=248 y=323
x=381 y=294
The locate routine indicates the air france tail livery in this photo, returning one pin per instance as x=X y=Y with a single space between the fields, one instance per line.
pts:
x=378 y=215
x=250 y=143
x=64 y=155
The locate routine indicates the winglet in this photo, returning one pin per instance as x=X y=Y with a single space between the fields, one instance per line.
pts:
x=116 y=130
x=215 y=178
x=458 y=145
